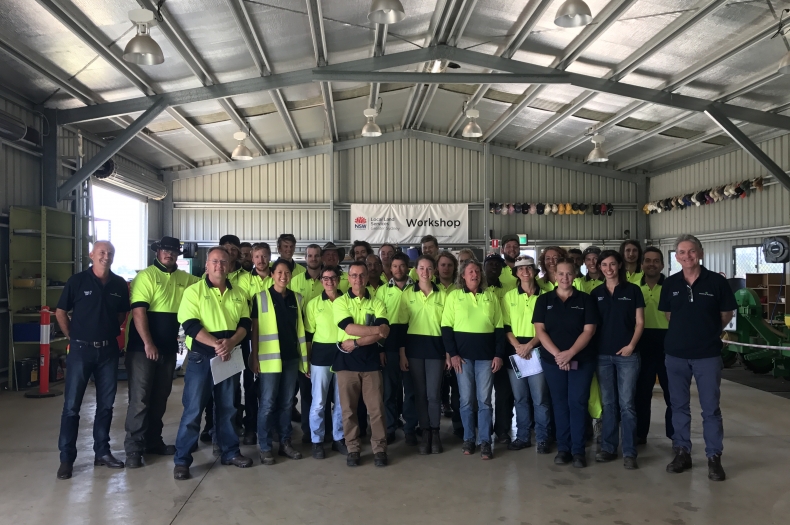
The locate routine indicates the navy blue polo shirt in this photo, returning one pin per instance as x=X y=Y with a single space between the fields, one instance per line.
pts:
x=695 y=324
x=564 y=322
x=616 y=316
x=95 y=306
x=285 y=311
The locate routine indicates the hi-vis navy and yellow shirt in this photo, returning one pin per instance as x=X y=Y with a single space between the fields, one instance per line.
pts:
x=366 y=311
x=160 y=293
x=390 y=295
x=204 y=307
x=422 y=315
x=306 y=286
x=321 y=330
x=472 y=325
x=255 y=284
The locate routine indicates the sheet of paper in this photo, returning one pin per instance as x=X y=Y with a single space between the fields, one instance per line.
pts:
x=526 y=367
x=221 y=370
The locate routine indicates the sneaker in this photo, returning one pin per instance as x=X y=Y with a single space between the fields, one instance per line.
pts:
x=630 y=463
x=518 y=445
x=468 y=448
x=380 y=459
x=485 y=450
x=134 y=460
x=605 y=457
x=318 y=451
x=563 y=457
x=544 y=447
x=411 y=439
x=352 y=460
x=579 y=461
x=681 y=462
x=340 y=446
x=715 y=470
x=267 y=458
x=288 y=451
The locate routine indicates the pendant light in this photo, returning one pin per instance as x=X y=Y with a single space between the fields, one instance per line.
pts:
x=597 y=154
x=573 y=13
x=142 y=49
x=472 y=129
x=371 y=129
x=386 y=12
x=241 y=152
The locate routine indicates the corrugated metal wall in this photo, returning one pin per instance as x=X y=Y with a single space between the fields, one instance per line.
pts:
x=521 y=181
x=739 y=221
x=20 y=172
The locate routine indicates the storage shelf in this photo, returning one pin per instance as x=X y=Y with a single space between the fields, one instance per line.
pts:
x=39 y=262
x=38 y=287
x=37 y=233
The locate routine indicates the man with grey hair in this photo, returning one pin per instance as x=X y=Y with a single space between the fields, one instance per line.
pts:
x=698 y=303
x=98 y=301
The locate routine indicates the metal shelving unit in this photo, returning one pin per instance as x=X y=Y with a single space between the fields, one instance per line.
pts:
x=41 y=244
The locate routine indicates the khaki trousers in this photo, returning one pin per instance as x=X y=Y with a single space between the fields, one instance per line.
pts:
x=370 y=386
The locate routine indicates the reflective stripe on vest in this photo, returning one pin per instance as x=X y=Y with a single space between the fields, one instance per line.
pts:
x=269 y=356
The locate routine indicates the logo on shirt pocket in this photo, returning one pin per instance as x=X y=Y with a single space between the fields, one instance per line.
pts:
x=88 y=292
x=675 y=294
x=600 y=298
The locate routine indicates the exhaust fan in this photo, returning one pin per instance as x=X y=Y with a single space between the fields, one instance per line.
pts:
x=123 y=177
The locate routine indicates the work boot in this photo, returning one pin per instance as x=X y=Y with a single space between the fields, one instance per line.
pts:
x=216 y=450
x=485 y=450
x=109 y=461
x=288 y=451
x=380 y=459
x=629 y=463
x=425 y=444
x=267 y=458
x=681 y=462
x=715 y=470
x=579 y=461
x=517 y=444
x=318 y=451
x=250 y=438
x=352 y=460
x=238 y=461
x=563 y=457
x=65 y=470
x=205 y=436
x=134 y=460
x=544 y=447
x=161 y=450
x=605 y=457
x=436 y=442
x=181 y=472
x=468 y=448
x=504 y=439
x=340 y=446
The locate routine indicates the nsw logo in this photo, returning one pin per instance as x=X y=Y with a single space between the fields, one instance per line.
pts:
x=360 y=223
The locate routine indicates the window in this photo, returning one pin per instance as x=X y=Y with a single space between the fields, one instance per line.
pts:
x=750 y=259
x=122 y=220
x=674 y=266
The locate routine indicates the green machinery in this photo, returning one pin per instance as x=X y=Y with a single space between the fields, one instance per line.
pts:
x=751 y=328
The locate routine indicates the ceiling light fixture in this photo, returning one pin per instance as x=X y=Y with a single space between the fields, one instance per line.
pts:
x=573 y=13
x=386 y=12
x=142 y=49
x=597 y=154
x=371 y=129
x=241 y=152
x=472 y=129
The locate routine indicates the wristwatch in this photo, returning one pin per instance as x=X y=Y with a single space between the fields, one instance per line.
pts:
x=356 y=345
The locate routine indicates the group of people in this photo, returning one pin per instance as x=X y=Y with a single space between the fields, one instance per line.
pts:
x=384 y=346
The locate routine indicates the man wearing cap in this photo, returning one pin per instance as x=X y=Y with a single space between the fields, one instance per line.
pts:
x=99 y=301
x=151 y=350
x=504 y=401
x=511 y=248
x=331 y=255
x=594 y=278
x=286 y=246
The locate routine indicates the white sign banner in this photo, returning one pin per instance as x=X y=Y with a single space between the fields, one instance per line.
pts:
x=408 y=223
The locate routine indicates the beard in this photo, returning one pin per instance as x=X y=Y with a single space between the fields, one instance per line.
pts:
x=508 y=258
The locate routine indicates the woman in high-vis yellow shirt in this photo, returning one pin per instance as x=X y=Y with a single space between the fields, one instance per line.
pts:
x=422 y=352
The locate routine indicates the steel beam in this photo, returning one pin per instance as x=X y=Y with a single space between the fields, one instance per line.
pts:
x=667 y=150
x=50 y=161
x=556 y=77
x=111 y=149
x=750 y=147
x=316 y=20
x=379 y=48
x=583 y=40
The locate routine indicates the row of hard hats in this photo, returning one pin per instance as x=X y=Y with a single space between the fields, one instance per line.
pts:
x=734 y=190
x=542 y=208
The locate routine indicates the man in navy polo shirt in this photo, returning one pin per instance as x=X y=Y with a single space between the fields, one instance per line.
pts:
x=698 y=303
x=98 y=300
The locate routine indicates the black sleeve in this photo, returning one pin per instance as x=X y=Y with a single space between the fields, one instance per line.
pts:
x=501 y=351
x=508 y=329
x=66 y=301
x=345 y=322
x=664 y=303
x=728 y=303
x=309 y=336
x=448 y=337
x=246 y=323
x=192 y=327
x=141 y=304
x=380 y=321
x=539 y=314
x=590 y=310
x=124 y=289
x=254 y=308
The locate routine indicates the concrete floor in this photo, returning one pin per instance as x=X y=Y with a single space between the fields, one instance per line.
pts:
x=515 y=488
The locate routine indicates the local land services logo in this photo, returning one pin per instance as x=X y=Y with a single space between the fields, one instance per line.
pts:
x=360 y=223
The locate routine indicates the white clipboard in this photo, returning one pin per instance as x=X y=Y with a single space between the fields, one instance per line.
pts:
x=526 y=367
x=222 y=370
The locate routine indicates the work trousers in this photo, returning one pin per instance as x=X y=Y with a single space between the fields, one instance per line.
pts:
x=475 y=383
x=531 y=395
x=570 y=392
x=651 y=351
x=275 y=391
x=324 y=383
x=426 y=378
x=503 y=404
x=150 y=383
x=398 y=396
x=369 y=386
x=617 y=378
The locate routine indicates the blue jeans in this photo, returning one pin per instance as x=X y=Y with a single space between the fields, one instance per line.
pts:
x=617 y=377
x=82 y=362
x=531 y=390
x=275 y=398
x=322 y=379
x=476 y=380
x=570 y=392
x=198 y=388
x=398 y=390
x=707 y=374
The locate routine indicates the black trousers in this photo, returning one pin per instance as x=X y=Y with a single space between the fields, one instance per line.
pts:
x=150 y=383
x=651 y=348
x=503 y=404
x=451 y=381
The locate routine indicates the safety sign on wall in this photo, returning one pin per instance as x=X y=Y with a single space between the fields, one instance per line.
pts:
x=408 y=223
